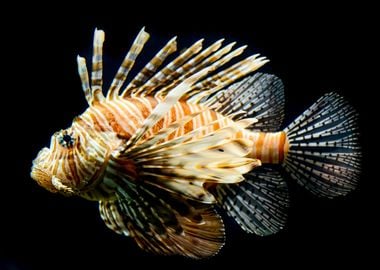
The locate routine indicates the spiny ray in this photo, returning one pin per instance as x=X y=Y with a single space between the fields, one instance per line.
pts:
x=97 y=65
x=205 y=63
x=184 y=71
x=161 y=76
x=128 y=63
x=83 y=74
x=151 y=67
x=226 y=77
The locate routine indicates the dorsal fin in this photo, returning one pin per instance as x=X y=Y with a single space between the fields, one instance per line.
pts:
x=188 y=69
x=215 y=61
x=128 y=63
x=167 y=72
x=83 y=74
x=260 y=96
x=97 y=65
x=192 y=61
x=225 y=77
x=151 y=67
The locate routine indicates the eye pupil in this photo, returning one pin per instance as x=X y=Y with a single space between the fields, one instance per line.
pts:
x=66 y=140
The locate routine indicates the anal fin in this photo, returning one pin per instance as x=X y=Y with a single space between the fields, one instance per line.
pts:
x=258 y=204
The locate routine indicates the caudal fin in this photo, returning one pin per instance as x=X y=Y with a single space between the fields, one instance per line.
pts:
x=324 y=153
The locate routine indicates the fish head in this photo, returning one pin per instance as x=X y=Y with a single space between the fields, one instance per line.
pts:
x=75 y=160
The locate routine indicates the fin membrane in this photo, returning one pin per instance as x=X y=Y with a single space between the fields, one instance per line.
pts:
x=259 y=96
x=324 y=152
x=259 y=204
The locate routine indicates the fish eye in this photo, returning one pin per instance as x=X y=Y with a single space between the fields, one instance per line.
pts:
x=66 y=140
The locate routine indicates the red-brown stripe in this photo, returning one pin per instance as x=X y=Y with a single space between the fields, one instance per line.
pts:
x=281 y=147
x=189 y=125
x=259 y=145
x=114 y=124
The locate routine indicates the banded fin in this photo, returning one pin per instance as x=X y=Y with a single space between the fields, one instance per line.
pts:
x=213 y=84
x=163 y=224
x=127 y=63
x=94 y=92
x=194 y=66
x=187 y=65
x=162 y=134
x=260 y=96
x=97 y=65
x=83 y=74
x=324 y=152
x=163 y=107
x=217 y=151
x=151 y=67
x=192 y=61
x=182 y=164
x=258 y=204
x=164 y=75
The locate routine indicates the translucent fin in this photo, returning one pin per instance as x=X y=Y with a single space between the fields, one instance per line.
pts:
x=260 y=96
x=213 y=84
x=324 y=153
x=112 y=217
x=258 y=204
x=163 y=224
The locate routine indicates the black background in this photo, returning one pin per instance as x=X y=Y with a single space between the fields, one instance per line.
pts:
x=314 y=49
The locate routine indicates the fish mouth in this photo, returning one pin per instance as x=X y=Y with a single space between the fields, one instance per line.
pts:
x=43 y=178
x=40 y=174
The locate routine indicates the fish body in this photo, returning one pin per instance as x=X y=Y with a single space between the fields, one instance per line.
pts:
x=159 y=154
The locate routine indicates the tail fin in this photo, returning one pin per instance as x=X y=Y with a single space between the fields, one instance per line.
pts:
x=324 y=153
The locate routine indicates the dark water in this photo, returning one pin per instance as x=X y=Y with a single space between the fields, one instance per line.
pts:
x=313 y=51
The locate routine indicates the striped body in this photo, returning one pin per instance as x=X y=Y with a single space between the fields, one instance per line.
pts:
x=269 y=147
x=112 y=123
x=125 y=116
x=159 y=153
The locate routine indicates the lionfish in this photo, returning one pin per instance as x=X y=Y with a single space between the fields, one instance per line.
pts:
x=161 y=154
